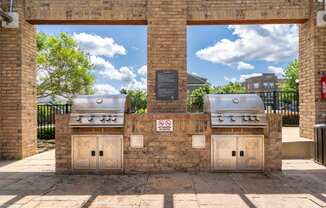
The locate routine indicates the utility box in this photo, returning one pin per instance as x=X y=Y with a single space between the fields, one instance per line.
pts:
x=320 y=144
x=15 y=21
x=321 y=19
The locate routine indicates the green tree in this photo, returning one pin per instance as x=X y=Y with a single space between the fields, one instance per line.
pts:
x=196 y=99
x=232 y=87
x=291 y=76
x=137 y=100
x=62 y=68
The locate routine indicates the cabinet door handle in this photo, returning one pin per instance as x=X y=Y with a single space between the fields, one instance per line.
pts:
x=101 y=153
x=234 y=153
x=241 y=153
x=93 y=153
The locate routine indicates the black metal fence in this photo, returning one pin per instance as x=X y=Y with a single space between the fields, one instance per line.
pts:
x=46 y=119
x=281 y=102
x=284 y=103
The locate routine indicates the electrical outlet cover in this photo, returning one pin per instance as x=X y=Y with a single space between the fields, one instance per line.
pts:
x=14 y=23
x=198 y=141
x=321 y=19
x=137 y=141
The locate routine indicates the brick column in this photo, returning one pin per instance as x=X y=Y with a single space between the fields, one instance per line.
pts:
x=17 y=89
x=167 y=28
x=312 y=66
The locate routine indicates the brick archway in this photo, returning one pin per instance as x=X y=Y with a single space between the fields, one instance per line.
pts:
x=167 y=21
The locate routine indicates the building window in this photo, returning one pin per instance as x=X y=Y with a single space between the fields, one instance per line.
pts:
x=256 y=85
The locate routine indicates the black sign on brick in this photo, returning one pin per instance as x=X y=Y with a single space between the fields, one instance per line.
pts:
x=167 y=85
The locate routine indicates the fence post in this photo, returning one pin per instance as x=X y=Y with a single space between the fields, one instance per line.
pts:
x=274 y=102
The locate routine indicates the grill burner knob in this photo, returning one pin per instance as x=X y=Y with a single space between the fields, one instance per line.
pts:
x=91 y=118
x=114 y=118
x=252 y=118
x=232 y=118
x=221 y=119
x=79 y=119
x=245 y=118
x=103 y=119
x=257 y=118
x=109 y=118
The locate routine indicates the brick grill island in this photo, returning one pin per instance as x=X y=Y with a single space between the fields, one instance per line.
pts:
x=172 y=151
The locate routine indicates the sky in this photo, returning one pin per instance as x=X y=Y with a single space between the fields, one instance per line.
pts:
x=221 y=54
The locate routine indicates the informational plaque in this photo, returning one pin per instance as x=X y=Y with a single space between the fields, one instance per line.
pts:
x=164 y=125
x=167 y=85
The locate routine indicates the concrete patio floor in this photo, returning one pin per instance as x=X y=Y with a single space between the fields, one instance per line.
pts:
x=33 y=183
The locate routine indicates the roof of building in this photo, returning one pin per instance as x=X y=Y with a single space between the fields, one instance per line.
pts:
x=52 y=99
x=195 y=79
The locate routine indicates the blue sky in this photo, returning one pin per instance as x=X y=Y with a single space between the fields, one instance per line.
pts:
x=219 y=53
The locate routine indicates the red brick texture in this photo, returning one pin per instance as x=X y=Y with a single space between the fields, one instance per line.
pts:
x=312 y=68
x=167 y=28
x=167 y=23
x=164 y=152
x=18 y=90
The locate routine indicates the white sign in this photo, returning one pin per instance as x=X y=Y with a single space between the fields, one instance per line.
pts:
x=164 y=125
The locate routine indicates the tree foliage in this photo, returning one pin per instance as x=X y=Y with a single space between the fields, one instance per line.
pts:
x=137 y=100
x=291 y=76
x=62 y=69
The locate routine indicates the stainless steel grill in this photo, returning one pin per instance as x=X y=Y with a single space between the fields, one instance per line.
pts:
x=235 y=110
x=98 y=111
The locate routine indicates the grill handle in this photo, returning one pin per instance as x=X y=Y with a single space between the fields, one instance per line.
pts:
x=241 y=153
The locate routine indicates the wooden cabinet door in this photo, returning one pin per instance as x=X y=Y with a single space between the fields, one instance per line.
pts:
x=110 y=152
x=84 y=151
x=250 y=152
x=224 y=152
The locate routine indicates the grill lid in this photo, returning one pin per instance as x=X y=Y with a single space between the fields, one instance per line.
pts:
x=215 y=103
x=112 y=103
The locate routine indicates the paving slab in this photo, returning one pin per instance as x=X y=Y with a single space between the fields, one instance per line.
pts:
x=33 y=183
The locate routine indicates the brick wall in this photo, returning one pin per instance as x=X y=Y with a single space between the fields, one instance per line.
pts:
x=173 y=151
x=312 y=67
x=62 y=143
x=17 y=90
x=167 y=28
x=198 y=11
x=96 y=12
x=167 y=20
x=249 y=11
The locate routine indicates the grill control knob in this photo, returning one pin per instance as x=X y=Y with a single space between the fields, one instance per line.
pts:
x=252 y=118
x=109 y=118
x=103 y=118
x=221 y=119
x=114 y=119
x=257 y=118
x=232 y=118
x=91 y=118
x=79 y=119
x=245 y=118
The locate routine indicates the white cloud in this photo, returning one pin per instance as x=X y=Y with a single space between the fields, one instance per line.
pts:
x=41 y=75
x=136 y=85
x=99 y=46
x=244 y=65
x=228 y=79
x=243 y=77
x=104 y=89
x=106 y=69
x=271 y=43
x=142 y=71
x=277 y=70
